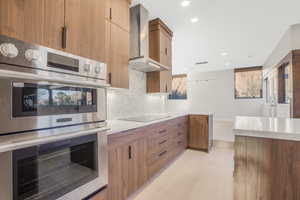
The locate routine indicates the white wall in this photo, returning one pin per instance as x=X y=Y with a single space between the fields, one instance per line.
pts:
x=213 y=92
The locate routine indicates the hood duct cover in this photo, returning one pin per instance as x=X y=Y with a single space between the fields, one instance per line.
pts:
x=139 y=42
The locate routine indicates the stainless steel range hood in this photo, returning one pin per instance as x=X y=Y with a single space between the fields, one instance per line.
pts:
x=139 y=42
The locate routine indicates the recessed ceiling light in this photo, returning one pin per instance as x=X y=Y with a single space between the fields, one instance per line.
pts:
x=202 y=63
x=224 y=54
x=194 y=20
x=185 y=3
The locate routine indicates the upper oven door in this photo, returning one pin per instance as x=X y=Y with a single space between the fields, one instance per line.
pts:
x=31 y=105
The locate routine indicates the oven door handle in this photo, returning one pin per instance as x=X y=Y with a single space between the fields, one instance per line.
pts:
x=52 y=147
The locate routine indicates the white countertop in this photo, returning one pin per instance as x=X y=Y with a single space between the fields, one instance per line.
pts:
x=274 y=128
x=117 y=126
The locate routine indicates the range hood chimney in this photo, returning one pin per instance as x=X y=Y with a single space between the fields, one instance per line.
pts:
x=139 y=42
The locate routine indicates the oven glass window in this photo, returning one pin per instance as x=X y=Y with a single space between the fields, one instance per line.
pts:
x=50 y=171
x=67 y=97
x=38 y=100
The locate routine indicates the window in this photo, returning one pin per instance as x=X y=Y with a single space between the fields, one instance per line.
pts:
x=284 y=84
x=248 y=83
x=179 y=87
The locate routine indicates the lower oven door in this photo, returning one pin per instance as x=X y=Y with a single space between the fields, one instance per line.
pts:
x=34 y=105
x=69 y=169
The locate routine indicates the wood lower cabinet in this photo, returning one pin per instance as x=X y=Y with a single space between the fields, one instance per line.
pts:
x=266 y=169
x=127 y=169
x=200 y=132
x=136 y=156
x=102 y=195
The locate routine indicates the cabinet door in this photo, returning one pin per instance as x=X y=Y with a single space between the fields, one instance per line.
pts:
x=54 y=22
x=118 y=164
x=85 y=24
x=138 y=172
x=163 y=48
x=127 y=169
x=119 y=57
x=169 y=51
x=198 y=132
x=120 y=13
x=22 y=19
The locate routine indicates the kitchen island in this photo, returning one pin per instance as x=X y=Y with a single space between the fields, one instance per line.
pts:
x=267 y=158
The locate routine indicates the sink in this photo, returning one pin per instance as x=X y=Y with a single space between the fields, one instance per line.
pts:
x=146 y=118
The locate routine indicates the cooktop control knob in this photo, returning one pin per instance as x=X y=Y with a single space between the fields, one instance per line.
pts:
x=87 y=67
x=98 y=69
x=9 y=50
x=33 y=55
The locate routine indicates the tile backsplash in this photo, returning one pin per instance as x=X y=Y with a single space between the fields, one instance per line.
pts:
x=134 y=101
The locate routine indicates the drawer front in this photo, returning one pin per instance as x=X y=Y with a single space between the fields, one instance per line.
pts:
x=157 y=144
x=159 y=130
x=157 y=164
x=154 y=157
x=180 y=142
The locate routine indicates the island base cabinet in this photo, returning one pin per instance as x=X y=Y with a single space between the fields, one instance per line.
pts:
x=266 y=169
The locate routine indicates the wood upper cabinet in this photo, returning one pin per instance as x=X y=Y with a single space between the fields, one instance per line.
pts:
x=117 y=20
x=160 y=49
x=85 y=28
x=127 y=169
x=160 y=42
x=35 y=21
x=53 y=23
x=43 y=22
x=118 y=57
x=119 y=13
x=200 y=132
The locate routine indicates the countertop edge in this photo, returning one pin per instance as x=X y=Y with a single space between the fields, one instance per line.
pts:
x=143 y=124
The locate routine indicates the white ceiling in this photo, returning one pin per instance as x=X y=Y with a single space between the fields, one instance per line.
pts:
x=248 y=30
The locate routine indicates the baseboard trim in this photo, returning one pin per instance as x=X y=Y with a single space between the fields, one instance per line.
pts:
x=223 y=144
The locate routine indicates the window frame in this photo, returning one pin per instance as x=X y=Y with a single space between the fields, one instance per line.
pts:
x=249 y=69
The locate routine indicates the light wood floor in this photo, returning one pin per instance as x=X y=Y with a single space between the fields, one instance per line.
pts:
x=194 y=176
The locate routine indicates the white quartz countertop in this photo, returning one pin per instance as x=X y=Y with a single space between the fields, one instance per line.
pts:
x=117 y=126
x=274 y=128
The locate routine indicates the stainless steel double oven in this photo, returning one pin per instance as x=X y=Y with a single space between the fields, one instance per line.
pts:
x=44 y=91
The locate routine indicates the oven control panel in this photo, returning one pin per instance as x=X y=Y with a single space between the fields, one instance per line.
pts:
x=22 y=54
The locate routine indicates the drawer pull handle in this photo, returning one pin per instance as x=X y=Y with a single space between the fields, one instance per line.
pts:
x=162 y=142
x=179 y=133
x=129 y=153
x=162 y=131
x=179 y=142
x=162 y=153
